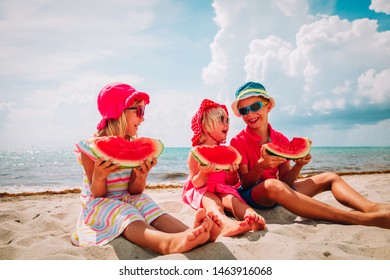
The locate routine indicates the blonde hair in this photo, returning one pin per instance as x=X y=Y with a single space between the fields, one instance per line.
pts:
x=117 y=127
x=211 y=118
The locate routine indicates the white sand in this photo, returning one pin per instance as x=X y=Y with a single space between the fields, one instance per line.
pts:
x=38 y=227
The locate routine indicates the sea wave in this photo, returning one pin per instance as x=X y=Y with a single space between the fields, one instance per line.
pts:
x=172 y=176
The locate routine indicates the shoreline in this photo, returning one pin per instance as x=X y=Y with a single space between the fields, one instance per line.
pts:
x=174 y=186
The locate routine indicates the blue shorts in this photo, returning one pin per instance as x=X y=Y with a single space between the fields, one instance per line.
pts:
x=246 y=195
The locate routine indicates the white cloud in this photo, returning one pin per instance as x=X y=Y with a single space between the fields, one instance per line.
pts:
x=317 y=66
x=380 y=6
x=326 y=60
x=343 y=89
x=324 y=106
x=358 y=135
x=375 y=87
x=55 y=58
x=51 y=39
x=58 y=115
x=240 y=22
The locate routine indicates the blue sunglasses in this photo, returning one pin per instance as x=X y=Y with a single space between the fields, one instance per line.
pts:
x=254 y=107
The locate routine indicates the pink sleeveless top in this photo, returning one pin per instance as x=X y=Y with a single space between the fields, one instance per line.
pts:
x=216 y=183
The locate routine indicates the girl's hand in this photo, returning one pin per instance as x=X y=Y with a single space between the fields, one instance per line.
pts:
x=269 y=162
x=145 y=167
x=232 y=172
x=206 y=169
x=104 y=168
x=303 y=161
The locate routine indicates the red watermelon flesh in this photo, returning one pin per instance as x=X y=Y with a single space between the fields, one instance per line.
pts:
x=128 y=154
x=221 y=156
x=298 y=147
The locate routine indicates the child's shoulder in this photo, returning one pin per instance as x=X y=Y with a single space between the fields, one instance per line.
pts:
x=84 y=146
x=240 y=137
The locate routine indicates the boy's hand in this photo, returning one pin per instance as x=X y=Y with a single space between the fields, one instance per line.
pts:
x=303 y=161
x=269 y=162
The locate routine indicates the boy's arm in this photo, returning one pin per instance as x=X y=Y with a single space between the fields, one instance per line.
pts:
x=266 y=162
x=249 y=178
x=289 y=176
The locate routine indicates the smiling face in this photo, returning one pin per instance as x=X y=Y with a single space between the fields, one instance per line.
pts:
x=215 y=126
x=256 y=119
x=133 y=119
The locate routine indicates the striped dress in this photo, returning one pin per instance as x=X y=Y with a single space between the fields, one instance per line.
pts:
x=104 y=218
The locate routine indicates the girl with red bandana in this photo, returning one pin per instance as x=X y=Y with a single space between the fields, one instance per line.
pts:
x=214 y=189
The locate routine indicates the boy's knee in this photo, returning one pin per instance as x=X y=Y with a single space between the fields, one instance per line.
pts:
x=273 y=186
x=330 y=176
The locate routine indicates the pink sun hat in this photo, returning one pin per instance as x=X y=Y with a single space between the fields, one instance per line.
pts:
x=116 y=97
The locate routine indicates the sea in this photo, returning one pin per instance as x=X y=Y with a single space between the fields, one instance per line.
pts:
x=39 y=170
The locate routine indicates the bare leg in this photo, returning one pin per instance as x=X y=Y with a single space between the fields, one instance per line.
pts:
x=147 y=236
x=213 y=204
x=342 y=192
x=243 y=212
x=272 y=190
x=168 y=223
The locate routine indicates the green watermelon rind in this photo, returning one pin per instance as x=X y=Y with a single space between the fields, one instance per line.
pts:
x=203 y=161
x=128 y=163
x=302 y=154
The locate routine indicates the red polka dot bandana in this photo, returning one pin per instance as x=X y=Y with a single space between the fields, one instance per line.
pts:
x=196 y=122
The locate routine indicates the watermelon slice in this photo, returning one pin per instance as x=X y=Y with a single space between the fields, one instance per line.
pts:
x=128 y=154
x=299 y=147
x=221 y=156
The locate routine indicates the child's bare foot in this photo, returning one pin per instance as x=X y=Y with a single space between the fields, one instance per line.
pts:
x=233 y=227
x=186 y=241
x=217 y=226
x=201 y=219
x=256 y=221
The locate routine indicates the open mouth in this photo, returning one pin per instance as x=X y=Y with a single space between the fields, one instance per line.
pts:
x=253 y=120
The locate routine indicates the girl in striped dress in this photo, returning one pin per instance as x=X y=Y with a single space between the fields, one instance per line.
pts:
x=113 y=202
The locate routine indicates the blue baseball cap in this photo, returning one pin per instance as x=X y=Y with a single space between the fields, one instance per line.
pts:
x=248 y=90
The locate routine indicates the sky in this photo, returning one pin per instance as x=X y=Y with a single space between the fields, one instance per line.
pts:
x=326 y=63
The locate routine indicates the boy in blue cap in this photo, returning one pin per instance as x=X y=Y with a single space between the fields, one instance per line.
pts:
x=270 y=181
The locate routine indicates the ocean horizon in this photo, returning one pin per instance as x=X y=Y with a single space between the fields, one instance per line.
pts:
x=56 y=169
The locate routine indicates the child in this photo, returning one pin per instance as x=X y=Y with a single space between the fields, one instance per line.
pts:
x=113 y=202
x=269 y=181
x=212 y=189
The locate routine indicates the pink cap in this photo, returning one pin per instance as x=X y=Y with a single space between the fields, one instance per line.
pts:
x=116 y=97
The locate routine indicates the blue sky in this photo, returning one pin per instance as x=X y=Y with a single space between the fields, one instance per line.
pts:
x=327 y=64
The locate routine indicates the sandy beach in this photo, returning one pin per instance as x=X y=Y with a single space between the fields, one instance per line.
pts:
x=38 y=227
